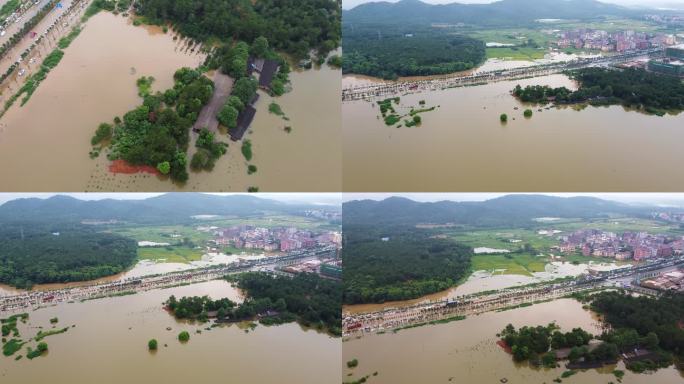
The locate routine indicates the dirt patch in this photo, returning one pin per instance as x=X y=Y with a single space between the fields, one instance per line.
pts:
x=121 y=166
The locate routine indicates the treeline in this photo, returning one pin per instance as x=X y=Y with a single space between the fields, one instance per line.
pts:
x=294 y=26
x=393 y=263
x=59 y=253
x=156 y=133
x=391 y=53
x=315 y=301
x=654 y=323
x=634 y=88
x=306 y=298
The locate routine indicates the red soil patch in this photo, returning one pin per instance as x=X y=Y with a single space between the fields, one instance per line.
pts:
x=120 y=166
x=504 y=346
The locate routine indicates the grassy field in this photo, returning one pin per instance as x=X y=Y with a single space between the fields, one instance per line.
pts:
x=502 y=239
x=620 y=225
x=525 y=263
x=170 y=254
x=163 y=234
x=513 y=264
x=609 y=25
x=515 y=53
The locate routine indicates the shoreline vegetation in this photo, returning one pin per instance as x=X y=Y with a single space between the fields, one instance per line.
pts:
x=308 y=299
x=644 y=332
x=632 y=88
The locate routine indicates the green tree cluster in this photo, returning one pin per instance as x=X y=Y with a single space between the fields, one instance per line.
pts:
x=386 y=263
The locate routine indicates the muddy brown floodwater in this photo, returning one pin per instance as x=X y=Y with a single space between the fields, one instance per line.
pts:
x=463 y=146
x=466 y=352
x=109 y=346
x=45 y=144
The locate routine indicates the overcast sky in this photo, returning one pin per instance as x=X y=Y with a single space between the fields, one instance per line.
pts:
x=631 y=198
x=313 y=198
x=347 y=4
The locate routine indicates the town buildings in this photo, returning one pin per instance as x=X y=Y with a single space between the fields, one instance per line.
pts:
x=276 y=239
x=626 y=246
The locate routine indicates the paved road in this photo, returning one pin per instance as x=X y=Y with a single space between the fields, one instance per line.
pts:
x=30 y=300
x=393 y=318
x=369 y=92
x=223 y=85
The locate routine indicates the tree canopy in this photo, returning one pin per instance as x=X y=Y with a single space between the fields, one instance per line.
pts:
x=60 y=253
x=391 y=263
x=391 y=53
x=294 y=26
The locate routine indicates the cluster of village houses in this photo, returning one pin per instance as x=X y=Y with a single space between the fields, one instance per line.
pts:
x=283 y=239
x=626 y=246
x=604 y=41
x=670 y=281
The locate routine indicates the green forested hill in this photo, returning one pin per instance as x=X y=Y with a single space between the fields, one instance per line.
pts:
x=498 y=13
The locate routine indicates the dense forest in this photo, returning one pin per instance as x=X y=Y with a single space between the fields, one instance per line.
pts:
x=58 y=253
x=634 y=88
x=654 y=323
x=294 y=26
x=393 y=263
x=306 y=298
x=391 y=53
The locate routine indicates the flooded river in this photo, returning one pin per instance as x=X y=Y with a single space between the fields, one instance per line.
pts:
x=96 y=82
x=466 y=351
x=109 y=345
x=463 y=146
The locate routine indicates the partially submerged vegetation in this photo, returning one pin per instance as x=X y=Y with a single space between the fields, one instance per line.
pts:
x=645 y=332
x=388 y=110
x=157 y=133
x=633 y=88
x=306 y=298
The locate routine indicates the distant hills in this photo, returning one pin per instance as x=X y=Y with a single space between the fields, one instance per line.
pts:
x=168 y=208
x=500 y=13
x=503 y=211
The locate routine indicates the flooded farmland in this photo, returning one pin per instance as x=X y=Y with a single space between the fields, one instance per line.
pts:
x=96 y=82
x=463 y=146
x=109 y=345
x=466 y=351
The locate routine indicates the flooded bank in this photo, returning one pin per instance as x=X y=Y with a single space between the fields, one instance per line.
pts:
x=484 y=281
x=96 y=82
x=463 y=146
x=466 y=351
x=109 y=345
